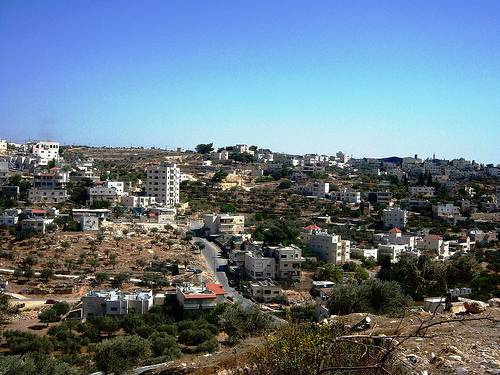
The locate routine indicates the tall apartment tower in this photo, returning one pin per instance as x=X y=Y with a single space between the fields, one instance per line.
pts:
x=163 y=183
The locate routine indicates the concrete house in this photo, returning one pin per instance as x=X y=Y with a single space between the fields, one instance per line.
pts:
x=258 y=267
x=226 y=224
x=288 y=260
x=395 y=217
x=265 y=291
x=435 y=242
x=114 y=302
x=327 y=247
x=200 y=297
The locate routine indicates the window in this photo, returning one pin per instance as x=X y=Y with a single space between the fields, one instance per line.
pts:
x=114 y=309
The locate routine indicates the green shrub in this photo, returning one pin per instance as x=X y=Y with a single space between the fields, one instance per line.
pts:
x=372 y=296
x=208 y=346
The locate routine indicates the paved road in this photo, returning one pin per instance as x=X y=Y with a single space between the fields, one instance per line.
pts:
x=217 y=264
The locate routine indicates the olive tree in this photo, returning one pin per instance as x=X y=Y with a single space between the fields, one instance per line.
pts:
x=121 y=354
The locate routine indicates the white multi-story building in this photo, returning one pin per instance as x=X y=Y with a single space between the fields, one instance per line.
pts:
x=242 y=148
x=384 y=197
x=116 y=302
x=47 y=150
x=53 y=179
x=424 y=191
x=343 y=158
x=395 y=236
x=3 y=145
x=448 y=210
x=367 y=253
x=119 y=186
x=265 y=156
x=318 y=189
x=346 y=195
x=39 y=224
x=226 y=224
x=9 y=220
x=327 y=247
x=223 y=155
x=392 y=250
x=135 y=201
x=163 y=183
x=395 y=217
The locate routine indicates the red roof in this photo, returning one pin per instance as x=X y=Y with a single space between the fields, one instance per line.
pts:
x=312 y=227
x=39 y=212
x=216 y=288
x=395 y=230
x=433 y=237
x=54 y=169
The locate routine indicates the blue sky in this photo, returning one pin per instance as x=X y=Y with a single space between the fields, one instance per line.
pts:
x=370 y=78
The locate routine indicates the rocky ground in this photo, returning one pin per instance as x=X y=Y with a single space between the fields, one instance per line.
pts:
x=456 y=344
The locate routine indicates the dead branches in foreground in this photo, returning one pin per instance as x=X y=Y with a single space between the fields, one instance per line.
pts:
x=334 y=348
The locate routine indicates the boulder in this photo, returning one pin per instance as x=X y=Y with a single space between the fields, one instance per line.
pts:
x=475 y=306
x=494 y=302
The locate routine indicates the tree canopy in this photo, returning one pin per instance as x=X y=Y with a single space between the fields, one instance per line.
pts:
x=204 y=148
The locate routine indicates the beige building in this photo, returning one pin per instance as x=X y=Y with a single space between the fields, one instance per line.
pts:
x=264 y=291
x=226 y=224
x=47 y=196
x=102 y=194
x=258 y=267
x=435 y=242
x=327 y=247
x=288 y=260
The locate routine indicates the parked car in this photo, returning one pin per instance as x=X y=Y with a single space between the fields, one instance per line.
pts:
x=198 y=271
x=50 y=301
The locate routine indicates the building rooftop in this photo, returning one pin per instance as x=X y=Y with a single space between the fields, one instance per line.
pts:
x=433 y=237
x=312 y=227
x=115 y=295
x=208 y=291
x=395 y=230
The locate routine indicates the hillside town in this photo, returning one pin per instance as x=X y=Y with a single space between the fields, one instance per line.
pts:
x=99 y=236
